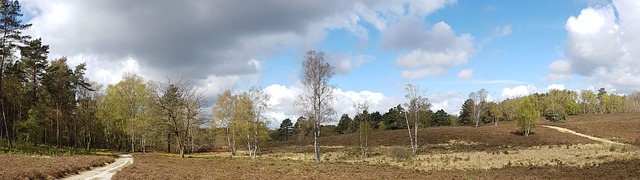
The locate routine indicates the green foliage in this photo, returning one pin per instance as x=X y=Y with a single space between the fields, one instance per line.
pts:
x=440 y=118
x=526 y=115
x=343 y=124
x=394 y=118
x=284 y=132
x=466 y=113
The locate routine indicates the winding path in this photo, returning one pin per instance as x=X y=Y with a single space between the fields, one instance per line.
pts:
x=565 y=130
x=105 y=172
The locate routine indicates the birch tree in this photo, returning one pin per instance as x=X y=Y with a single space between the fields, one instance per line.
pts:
x=315 y=101
x=259 y=101
x=417 y=102
x=364 y=128
x=223 y=111
x=479 y=99
x=526 y=115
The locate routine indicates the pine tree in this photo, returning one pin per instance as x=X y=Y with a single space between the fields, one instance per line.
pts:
x=11 y=28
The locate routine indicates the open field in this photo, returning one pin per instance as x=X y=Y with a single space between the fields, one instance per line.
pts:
x=156 y=166
x=486 y=152
x=483 y=138
x=624 y=128
x=47 y=167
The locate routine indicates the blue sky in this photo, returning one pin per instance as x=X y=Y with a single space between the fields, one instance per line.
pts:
x=448 y=47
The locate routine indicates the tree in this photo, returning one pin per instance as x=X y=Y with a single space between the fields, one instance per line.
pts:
x=343 y=124
x=588 y=101
x=364 y=126
x=242 y=120
x=466 y=112
x=259 y=102
x=223 y=111
x=440 y=118
x=554 y=108
x=301 y=129
x=181 y=104
x=317 y=93
x=285 y=130
x=526 y=115
x=417 y=102
x=494 y=112
x=479 y=99
x=11 y=27
x=394 y=118
x=129 y=104
x=603 y=101
x=59 y=87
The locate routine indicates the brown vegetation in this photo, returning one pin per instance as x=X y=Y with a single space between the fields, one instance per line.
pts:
x=156 y=166
x=483 y=138
x=616 y=127
x=44 y=167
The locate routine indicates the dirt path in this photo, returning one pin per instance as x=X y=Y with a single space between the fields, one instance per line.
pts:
x=565 y=130
x=105 y=172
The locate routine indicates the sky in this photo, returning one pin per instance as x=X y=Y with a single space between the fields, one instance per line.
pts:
x=449 y=48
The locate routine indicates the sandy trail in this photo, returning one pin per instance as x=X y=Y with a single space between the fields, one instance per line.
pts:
x=565 y=130
x=105 y=172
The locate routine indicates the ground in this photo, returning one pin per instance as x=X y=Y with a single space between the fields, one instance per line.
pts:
x=20 y=166
x=486 y=152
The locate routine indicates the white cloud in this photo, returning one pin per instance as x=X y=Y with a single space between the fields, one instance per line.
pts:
x=224 y=38
x=556 y=87
x=559 y=71
x=344 y=63
x=282 y=102
x=465 y=74
x=502 y=31
x=449 y=101
x=603 y=47
x=433 y=50
x=518 y=91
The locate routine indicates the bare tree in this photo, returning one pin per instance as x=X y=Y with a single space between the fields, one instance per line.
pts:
x=181 y=103
x=417 y=102
x=479 y=100
x=318 y=93
x=363 y=130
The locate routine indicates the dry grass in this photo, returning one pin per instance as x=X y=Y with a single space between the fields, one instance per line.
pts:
x=487 y=152
x=45 y=167
x=156 y=166
x=485 y=138
x=624 y=128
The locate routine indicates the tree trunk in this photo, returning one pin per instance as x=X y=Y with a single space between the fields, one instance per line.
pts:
x=4 y=118
x=415 y=135
x=58 y=126
x=406 y=117
x=249 y=145
x=168 y=141
x=316 y=144
x=233 y=145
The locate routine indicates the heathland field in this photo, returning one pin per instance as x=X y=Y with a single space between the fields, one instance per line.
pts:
x=485 y=152
x=446 y=152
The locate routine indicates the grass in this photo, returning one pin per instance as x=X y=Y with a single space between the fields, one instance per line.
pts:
x=20 y=166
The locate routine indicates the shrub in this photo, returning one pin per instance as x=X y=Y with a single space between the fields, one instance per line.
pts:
x=399 y=153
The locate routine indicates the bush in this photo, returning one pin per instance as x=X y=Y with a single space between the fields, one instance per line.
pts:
x=398 y=153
